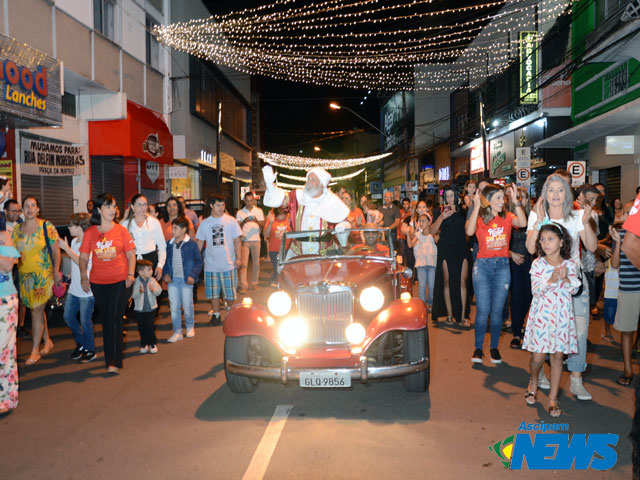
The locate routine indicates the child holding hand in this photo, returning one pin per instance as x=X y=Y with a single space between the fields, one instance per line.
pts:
x=551 y=328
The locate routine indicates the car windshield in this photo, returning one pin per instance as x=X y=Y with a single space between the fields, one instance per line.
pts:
x=355 y=242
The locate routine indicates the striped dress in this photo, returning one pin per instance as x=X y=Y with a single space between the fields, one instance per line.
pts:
x=551 y=327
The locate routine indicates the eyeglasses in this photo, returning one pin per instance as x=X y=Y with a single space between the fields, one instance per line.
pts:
x=141 y=204
x=14 y=211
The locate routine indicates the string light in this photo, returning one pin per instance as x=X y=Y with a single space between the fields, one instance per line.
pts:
x=310 y=43
x=337 y=179
x=305 y=163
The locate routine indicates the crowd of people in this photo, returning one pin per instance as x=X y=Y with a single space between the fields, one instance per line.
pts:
x=539 y=267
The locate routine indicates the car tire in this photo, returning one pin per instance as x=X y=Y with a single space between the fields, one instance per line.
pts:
x=237 y=349
x=416 y=347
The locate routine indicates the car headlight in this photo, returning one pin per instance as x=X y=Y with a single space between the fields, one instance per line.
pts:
x=279 y=303
x=371 y=299
x=355 y=333
x=293 y=332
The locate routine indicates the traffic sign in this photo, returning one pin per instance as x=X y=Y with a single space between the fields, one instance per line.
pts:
x=523 y=177
x=578 y=171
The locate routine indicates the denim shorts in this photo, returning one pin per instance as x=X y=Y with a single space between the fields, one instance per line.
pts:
x=609 y=310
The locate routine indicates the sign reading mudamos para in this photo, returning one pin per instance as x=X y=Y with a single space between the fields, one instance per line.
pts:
x=30 y=84
x=52 y=158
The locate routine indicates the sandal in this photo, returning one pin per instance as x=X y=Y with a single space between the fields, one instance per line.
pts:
x=48 y=346
x=449 y=321
x=554 y=408
x=607 y=338
x=625 y=380
x=531 y=397
x=33 y=359
x=464 y=323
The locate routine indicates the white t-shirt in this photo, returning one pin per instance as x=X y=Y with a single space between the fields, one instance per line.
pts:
x=219 y=233
x=251 y=229
x=573 y=225
x=75 y=288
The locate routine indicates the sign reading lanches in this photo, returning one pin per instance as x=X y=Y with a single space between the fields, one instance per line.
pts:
x=52 y=159
x=528 y=67
x=30 y=83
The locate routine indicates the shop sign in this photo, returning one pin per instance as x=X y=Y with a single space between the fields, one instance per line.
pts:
x=52 y=159
x=530 y=135
x=615 y=81
x=444 y=174
x=152 y=146
x=528 y=67
x=30 y=83
x=501 y=156
x=178 y=172
x=152 y=175
x=476 y=159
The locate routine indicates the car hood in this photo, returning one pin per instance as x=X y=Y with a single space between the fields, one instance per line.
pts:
x=358 y=272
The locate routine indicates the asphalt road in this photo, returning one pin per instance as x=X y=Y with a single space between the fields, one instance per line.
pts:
x=171 y=415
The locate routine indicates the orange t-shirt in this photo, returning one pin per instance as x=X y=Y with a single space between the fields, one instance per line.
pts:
x=108 y=253
x=493 y=238
x=632 y=223
x=167 y=229
x=278 y=228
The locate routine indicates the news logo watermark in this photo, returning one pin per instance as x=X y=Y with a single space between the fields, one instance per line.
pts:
x=543 y=448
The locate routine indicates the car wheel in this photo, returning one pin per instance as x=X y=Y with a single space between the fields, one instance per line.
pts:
x=416 y=347
x=238 y=349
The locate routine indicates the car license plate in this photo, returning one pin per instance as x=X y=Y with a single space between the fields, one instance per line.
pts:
x=325 y=379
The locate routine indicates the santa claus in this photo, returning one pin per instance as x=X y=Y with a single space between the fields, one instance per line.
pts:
x=314 y=207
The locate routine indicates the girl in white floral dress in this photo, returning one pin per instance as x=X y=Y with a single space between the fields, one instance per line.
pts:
x=551 y=328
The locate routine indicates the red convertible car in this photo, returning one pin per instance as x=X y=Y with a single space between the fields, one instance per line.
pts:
x=343 y=311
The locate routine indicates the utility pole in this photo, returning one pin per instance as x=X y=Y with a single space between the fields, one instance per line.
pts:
x=483 y=131
x=218 y=147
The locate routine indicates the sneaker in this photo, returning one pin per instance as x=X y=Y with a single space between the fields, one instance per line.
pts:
x=516 y=344
x=153 y=349
x=477 y=356
x=77 y=353
x=87 y=356
x=176 y=337
x=495 y=356
x=215 y=320
x=191 y=332
x=577 y=388
x=144 y=349
x=543 y=381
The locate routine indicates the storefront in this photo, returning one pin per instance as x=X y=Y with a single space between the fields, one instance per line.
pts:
x=30 y=82
x=130 y=156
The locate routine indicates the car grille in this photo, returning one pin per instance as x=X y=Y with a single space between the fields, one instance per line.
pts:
x=328 y=310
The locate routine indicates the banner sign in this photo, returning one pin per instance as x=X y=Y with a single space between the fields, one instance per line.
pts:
x=178 y=172
x=30 y=83
x=501 y=156
x=528 y=67
x=52 y=159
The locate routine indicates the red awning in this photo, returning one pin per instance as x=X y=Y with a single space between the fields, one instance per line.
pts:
x=143 y=134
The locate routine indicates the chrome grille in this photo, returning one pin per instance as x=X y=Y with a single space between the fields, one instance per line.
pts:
x=328 y=310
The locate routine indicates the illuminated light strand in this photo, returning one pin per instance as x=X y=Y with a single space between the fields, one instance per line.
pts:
x=300 y=163
x=363 y=68
x=337 y=179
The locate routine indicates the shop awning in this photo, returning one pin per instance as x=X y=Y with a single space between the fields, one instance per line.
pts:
x=143 y=134
x=610 y=122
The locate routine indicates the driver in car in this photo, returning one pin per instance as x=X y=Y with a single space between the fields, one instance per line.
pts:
x=372 y=243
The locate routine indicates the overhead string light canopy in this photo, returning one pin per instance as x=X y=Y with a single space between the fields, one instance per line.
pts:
x=368 y=44
x=305 y=163
x=335 y=179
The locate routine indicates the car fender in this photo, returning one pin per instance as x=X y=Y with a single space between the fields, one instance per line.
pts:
x=399 y=315
x=250 y=320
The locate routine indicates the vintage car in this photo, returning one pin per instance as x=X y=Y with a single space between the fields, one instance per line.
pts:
x=343 y=311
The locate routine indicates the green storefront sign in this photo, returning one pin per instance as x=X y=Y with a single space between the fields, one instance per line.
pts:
x=528 y=67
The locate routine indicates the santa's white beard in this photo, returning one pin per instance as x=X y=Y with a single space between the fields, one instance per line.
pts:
x=311 y=191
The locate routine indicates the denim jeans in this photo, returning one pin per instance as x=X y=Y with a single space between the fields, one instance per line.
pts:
x=577 y=362
x=83 y=331
x=180 y=295
x=491 y=279
x=426 y=279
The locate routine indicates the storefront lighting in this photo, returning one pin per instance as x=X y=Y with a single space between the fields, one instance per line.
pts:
x=495 y=123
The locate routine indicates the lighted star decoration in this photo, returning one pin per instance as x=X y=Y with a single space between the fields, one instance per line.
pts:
x=371 y=44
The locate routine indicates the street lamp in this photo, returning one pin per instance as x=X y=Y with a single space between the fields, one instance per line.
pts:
x=335 y=106
x=317 y=148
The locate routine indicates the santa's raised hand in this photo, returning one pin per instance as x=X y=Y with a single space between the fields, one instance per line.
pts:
x=269 y=175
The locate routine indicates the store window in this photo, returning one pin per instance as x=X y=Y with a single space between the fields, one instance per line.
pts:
x=107 y=176
x=153 y=47
x=605 y=9
x=69 y=104
x=104 y=18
